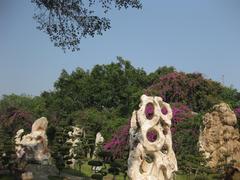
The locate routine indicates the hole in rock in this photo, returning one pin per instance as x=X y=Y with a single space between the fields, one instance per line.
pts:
x=152 y=135
x=149 y=111
x=164 y=110
x=149 y=158
x=164 y=149
x=165 y=130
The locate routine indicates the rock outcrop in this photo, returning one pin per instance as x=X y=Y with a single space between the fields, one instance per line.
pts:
x=151 y=155
x=74 y=138
x=98 y=141
x=33 y=146
x=220 y=140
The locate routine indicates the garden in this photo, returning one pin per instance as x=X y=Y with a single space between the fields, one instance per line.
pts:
x=102 y=100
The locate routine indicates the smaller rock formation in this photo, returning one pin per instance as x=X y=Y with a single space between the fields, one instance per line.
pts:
x=74 y=138
x=98 y=141
x=151 y=156
x=220 y=140
x=33 y=146
x=27 y=176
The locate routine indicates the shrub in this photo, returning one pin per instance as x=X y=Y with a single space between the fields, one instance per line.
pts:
x=193 y=90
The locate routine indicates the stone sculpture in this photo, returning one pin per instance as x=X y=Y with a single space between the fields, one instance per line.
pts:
x=74 y=139
x=98 y=141
x=220 y=140
x=151 y=155
x=33 y=146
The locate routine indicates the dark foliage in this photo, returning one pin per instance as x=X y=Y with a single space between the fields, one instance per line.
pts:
x=68 y=21
x=14 y=119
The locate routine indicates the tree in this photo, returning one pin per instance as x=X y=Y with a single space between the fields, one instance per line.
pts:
x=79 y=152
x=185 y=140
x=61 y=147
x=2 y=149
x=7 y=151
x=193 y=90
x=14 y=119
x=68 y=21
x=35 y=105
x=114 y=86
x=161 y=71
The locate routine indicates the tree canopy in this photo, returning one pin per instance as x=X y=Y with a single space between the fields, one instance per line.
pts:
x=68 y=21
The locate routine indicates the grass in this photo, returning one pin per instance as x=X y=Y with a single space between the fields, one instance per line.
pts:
x=74 y=172
x=55 y=178
x=86 y=171
x=7 y=177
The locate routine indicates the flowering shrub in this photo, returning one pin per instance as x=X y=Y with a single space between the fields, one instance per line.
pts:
x=191 y=89
x=119 y=142
x=237 y=112
x=180 y=113
x=14 y=119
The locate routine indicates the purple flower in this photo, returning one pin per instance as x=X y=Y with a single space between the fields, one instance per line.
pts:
x=119 y=142
x=237 y=112
x=164 y=110
x=152 y=135
x=149 y=111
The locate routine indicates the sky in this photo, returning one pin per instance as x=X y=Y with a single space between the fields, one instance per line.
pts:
x=193 y=36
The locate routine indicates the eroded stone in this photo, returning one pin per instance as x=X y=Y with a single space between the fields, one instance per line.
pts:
x=220 y=140
x=151 y=156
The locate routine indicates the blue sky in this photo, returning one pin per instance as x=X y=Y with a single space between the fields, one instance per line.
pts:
x=194 y=36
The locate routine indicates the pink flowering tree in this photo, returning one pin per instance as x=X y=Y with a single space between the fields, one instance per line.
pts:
x=237 y=112
x=180 y=113
x=192 y=89
x=118 y=144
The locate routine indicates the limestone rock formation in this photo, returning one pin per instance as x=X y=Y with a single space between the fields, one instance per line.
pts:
x=220 y=140
x=151 y=155
x=98 y=141
x=74 y=138
x=33 y=146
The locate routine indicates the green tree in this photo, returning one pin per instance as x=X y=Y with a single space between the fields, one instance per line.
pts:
x=114 y=86
x=79 y=152
x=34 y=105
x=189 y=159
x=2 y=150
x=7 y=151
x=161 y=71
x=61 y=147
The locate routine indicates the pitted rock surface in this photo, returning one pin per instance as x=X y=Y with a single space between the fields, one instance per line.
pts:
x=151 y=156
x=220 y=140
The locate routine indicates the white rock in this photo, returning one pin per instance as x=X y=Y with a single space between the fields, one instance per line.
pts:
x=33 y=146
x=98 y=141
x=74 y=138
x=151 y=160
